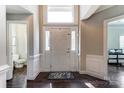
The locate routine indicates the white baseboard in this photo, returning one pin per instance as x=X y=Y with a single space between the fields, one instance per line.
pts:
x=33 y=77
x=94 y=75
x=82 y=72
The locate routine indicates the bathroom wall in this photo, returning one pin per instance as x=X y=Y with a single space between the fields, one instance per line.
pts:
x=28 y=18
x=21 y=37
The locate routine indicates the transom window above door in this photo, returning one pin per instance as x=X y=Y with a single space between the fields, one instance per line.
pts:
x=60 y=14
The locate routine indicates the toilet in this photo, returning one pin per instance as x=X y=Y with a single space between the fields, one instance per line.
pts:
x=18 y=63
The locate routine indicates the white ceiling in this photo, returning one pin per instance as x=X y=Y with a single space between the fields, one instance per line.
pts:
x=16 y=9
x=87 y=10
x=103 y=7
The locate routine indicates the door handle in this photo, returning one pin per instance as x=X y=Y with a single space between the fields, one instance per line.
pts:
x=67 y=51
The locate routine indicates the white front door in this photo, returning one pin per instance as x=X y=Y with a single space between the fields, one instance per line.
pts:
x=59 y=53
x=60 y=49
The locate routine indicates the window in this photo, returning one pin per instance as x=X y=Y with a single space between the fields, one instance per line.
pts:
x=13 y=38
x=122 y=42
x=60 y=14
x=73 y=40
x=47 y=40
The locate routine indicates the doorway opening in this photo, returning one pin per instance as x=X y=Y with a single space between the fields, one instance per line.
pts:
x=60 y=32
x=17 y=53
x=114 y=49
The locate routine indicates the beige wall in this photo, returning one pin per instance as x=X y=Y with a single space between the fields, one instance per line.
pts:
x=92 y=32
x=2 y=35
x=34 y=9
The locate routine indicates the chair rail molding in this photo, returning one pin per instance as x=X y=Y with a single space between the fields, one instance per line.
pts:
x=3 y=70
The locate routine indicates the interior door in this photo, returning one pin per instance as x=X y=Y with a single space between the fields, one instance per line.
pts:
x=9 y=50
x=60 y=49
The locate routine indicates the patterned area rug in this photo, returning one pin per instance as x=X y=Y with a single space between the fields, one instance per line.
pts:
x=61 y=75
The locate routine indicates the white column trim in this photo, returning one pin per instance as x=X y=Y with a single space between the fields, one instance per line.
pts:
x=3 y=70
x=33 y=67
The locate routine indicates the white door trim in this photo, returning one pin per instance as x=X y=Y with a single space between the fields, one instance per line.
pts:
x=105 y=52
x=77 y=54
x=21 y=22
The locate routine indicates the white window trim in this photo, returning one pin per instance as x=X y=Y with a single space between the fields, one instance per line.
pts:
x=73 y=42
x=75 y=12
x=47 y=40
x=120 y=42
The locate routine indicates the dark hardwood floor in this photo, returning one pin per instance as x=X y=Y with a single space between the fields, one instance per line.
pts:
x=19 y=78
x=116 y=80
x=116 y=76
x=80 y=81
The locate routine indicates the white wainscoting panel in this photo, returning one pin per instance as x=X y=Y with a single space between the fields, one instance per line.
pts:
x=45 y=59
x=33 y=68
x=3 y=70
x=44 y=66
x=95 y=66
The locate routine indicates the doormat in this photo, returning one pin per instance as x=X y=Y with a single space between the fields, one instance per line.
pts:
x=61 y=75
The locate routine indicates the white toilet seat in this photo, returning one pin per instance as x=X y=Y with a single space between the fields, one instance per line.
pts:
x=20 y=61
